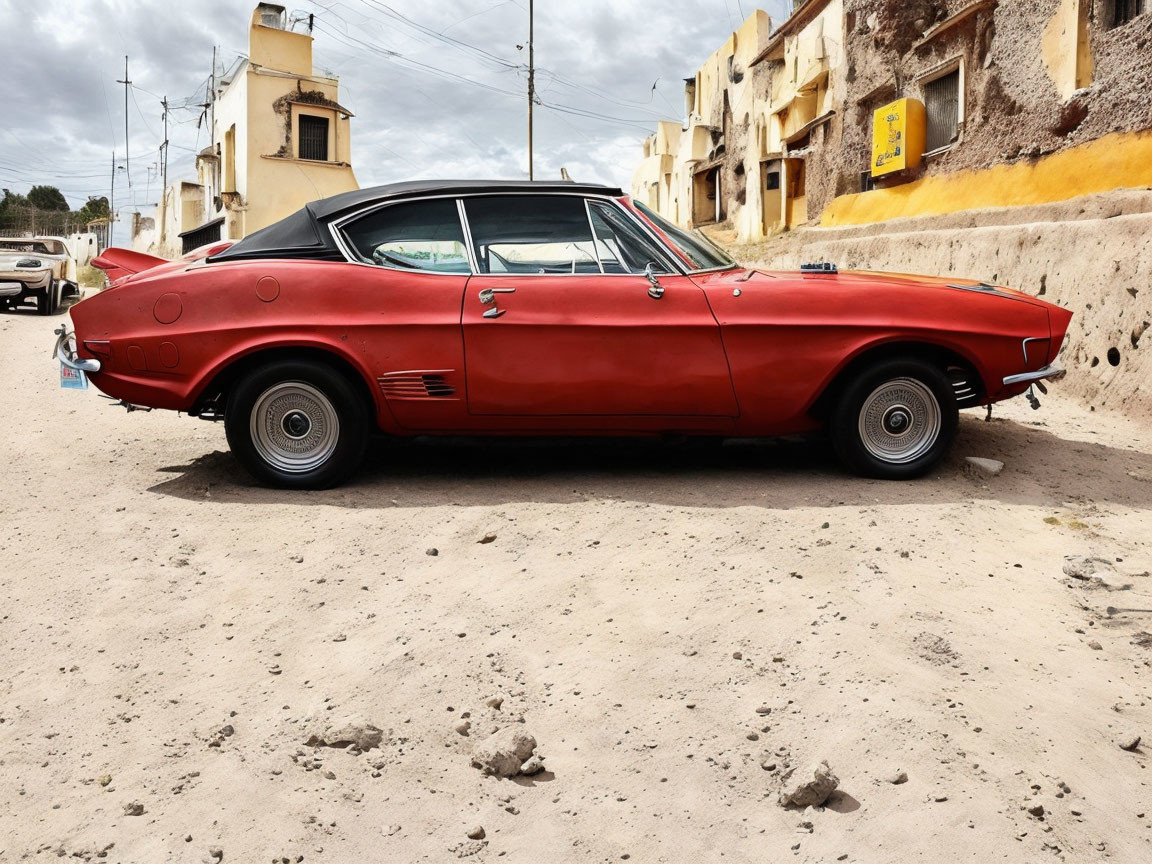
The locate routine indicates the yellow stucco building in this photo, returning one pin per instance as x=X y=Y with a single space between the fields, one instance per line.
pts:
x=755 y=101
x=694 y=173
x=853 y=111
x=280 y=138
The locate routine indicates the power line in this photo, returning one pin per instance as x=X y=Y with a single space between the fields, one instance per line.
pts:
x=396 y=56
x=597 y=92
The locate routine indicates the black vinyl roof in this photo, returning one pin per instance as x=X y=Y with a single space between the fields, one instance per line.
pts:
x=301 y=235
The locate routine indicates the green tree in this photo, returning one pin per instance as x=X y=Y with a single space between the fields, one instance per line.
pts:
x=95 y=208
x=47 y=198
x=12 y=199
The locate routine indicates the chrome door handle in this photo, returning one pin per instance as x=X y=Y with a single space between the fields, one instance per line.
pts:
x=494 y=312
x=488 y=295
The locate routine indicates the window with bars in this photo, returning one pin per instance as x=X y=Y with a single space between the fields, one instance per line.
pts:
x=942 y=103
x=1124 y=11
x=313 y=137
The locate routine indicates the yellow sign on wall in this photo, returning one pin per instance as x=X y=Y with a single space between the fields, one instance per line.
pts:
x=898 y=133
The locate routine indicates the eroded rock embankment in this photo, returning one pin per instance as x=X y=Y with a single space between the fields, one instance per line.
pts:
x=1091 y=254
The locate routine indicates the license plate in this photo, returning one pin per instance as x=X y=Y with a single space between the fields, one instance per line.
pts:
x=73 y=379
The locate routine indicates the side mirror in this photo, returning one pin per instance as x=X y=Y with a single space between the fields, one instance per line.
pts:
x=655 y=289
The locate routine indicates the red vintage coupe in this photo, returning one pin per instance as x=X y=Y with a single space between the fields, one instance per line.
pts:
x=510 y=308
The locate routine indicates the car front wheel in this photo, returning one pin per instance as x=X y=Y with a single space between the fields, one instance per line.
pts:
x=895 y=420
x=297 y=425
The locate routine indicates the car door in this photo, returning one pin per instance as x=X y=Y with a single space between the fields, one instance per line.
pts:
x=413 y=266
x=561 y=320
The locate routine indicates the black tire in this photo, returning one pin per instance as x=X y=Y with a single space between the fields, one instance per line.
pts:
x=909 y=422
x=48 y=302
x=299 y=401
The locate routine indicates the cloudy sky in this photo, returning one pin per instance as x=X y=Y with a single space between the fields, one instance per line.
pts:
x=437 y=86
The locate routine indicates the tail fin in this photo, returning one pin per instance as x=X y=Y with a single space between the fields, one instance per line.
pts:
x=118 y=263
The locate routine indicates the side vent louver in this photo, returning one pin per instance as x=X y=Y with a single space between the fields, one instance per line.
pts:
x=966 y=389
x=418 y=384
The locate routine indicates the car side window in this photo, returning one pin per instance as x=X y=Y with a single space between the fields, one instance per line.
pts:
x=417 y=235
x=531 y=234
x=620 y=245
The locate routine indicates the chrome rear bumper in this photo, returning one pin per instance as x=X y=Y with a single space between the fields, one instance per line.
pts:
x=1050 y=372
x=67 y=353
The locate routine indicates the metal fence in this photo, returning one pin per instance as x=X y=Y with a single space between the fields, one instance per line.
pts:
x=16 y=221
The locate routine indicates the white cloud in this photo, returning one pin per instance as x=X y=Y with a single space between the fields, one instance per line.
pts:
x=437 y=110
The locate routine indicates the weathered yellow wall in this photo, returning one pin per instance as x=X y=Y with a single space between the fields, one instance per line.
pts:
x=1112 y=162
x=276 y=185
x=279 y=49
x=1067 y=49
x=799 y=91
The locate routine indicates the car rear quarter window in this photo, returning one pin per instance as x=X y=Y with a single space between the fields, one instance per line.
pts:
x=416 y=235
x=531 y=234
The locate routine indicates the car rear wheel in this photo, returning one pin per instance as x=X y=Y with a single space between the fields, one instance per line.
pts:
x=297 y=425
x=49 y=301
x=895 y=420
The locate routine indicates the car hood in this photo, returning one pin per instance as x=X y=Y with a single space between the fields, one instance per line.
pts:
x=754 y=278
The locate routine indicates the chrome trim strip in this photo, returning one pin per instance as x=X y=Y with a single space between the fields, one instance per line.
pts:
x=1053 y=371
x=595 y=242
x=473 y=261
x=335 y=225
x=1024 y=344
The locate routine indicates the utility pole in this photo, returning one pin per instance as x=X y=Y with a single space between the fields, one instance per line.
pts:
x=111 y=203
x=212 y=97
x=127 y=83
x=164 y=177
x=531 y=76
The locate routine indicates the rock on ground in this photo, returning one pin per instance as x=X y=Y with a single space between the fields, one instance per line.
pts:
x=360 y=736
x=533 y=765
x=1086 y=566
x=504 y=752
x=981 y=467
x=813 y=789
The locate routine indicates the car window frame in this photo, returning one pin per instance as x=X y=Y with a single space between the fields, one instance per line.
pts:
x=353 y=256
x=550 y=194
x=335 y=227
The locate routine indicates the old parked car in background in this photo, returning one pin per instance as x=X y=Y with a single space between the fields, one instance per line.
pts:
x=546 y=309
x=37 y=269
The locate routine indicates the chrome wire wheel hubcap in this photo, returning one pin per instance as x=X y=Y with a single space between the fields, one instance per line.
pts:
x=294 y=427
x=900 y=421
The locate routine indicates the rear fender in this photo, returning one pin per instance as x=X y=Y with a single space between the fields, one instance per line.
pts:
x=220 y=377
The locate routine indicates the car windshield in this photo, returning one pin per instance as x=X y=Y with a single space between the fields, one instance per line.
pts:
x=693 y=245
x=35 y=246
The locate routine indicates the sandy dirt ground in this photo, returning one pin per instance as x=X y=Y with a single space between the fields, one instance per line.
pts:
x=678 y=625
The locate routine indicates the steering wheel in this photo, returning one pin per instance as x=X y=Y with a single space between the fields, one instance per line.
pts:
x=382 y=257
